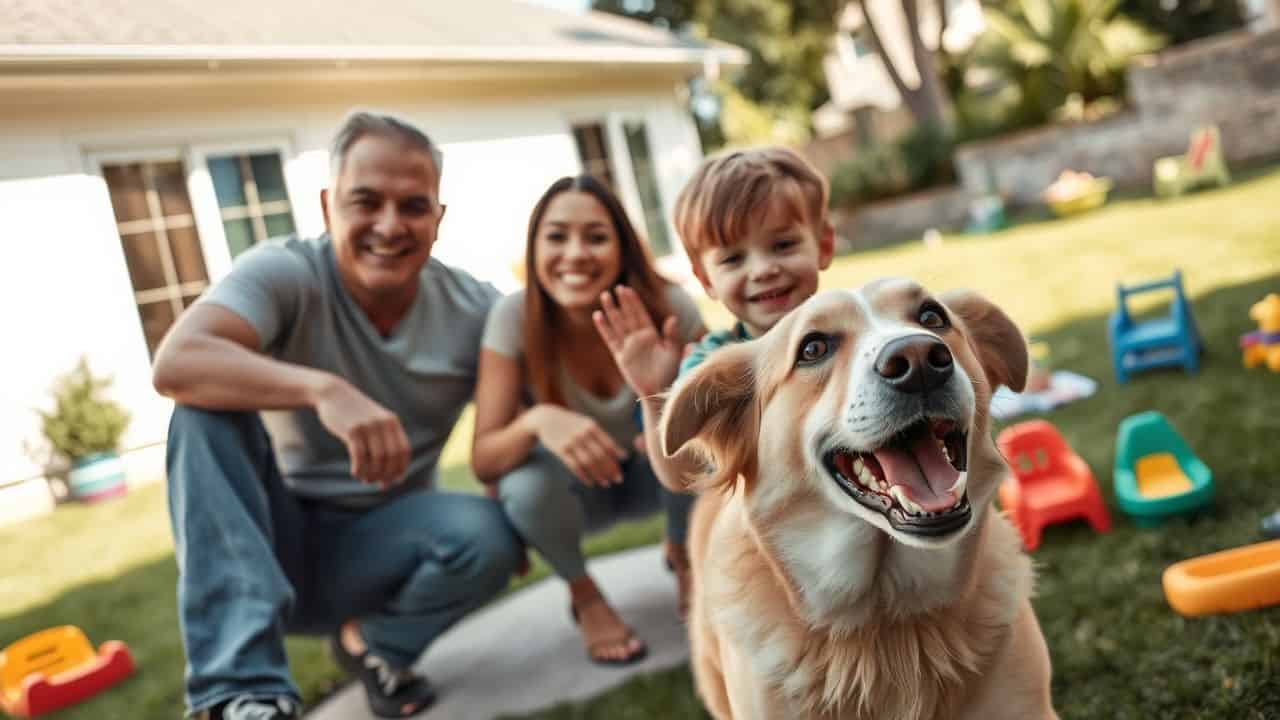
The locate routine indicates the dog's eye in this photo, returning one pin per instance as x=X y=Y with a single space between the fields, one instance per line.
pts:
x=933 y=317
x=813 y=348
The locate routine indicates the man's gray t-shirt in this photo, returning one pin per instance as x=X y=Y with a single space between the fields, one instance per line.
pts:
x=425 y=371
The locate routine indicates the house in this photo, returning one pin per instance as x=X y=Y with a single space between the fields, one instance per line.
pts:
x=864 y=102
x=144 y=145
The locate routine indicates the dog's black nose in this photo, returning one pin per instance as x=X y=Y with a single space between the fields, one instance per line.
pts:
x=915 y=363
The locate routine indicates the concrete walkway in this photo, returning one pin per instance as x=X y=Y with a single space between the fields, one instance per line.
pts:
x=523 y=654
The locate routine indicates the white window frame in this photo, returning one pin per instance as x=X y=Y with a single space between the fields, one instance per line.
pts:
x=624 y=176
x=213 y=237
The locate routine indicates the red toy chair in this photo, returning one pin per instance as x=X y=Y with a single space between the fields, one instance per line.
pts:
x=1049 y=483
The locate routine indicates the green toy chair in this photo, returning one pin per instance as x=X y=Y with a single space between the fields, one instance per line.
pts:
x=1156 y=474
x=1203 y=164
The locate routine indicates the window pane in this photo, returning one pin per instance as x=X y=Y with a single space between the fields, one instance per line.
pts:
x=128 y=191
x=239 y=235
x=157 y=318
x=269 y=177
x=228 y=185
x=279 y=225
x=171 y=184
x=142 y=255
x=187 y=257
x=647 y=185
x=593 y=152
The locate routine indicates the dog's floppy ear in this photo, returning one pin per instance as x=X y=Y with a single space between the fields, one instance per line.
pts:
x=996 y=341
x=714 y=409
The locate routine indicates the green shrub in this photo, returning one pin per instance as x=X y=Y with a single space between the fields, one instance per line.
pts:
x=920 y=158
x=83 y=422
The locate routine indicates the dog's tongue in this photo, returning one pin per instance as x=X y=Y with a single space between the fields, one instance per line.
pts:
x=923 y=472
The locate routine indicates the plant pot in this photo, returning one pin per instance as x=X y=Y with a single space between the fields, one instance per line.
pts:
x=97 y=477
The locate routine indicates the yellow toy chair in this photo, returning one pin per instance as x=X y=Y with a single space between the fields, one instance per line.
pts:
x=1203 y=164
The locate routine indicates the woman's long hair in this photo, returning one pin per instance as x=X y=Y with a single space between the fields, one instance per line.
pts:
x=544 y=320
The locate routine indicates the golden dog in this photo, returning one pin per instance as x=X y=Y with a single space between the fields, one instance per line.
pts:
x=846 y=561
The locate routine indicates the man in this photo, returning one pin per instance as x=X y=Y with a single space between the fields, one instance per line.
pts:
x=315 y=386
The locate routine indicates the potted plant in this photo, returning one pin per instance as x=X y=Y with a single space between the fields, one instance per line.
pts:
x=84 y=429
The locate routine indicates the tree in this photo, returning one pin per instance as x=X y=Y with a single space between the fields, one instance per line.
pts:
x=928 y=102
x=1049 y=51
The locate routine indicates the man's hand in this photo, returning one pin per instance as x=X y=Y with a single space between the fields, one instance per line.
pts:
x=374 y=437
x=647 y=359
x=580 y=443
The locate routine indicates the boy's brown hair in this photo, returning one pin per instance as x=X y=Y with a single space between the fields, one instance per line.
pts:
x=729 y=191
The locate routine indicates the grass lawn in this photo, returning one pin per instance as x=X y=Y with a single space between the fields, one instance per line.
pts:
x=1118 y=651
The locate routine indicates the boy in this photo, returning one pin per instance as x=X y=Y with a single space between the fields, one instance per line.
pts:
x=754 y=225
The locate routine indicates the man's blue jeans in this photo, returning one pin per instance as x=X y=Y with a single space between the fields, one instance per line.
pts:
x=256 y=561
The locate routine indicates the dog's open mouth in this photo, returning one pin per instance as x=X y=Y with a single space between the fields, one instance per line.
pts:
x=916 y=480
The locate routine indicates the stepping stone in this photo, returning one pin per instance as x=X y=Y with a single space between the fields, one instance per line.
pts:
x=524 y=654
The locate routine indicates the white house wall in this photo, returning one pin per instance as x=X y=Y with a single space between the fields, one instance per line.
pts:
x=64 y=284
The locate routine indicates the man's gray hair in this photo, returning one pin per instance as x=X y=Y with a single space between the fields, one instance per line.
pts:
x=360 y=123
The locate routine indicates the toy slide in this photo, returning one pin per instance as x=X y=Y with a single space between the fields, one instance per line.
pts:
x=1241 y=578
x=57 y=667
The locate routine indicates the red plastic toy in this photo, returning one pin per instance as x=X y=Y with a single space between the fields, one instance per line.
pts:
x=58 y=667
x=1049 y=484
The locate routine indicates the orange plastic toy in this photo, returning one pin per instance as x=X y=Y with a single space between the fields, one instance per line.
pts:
x=58 y=667
x=1241 y=578
x=1049 y=484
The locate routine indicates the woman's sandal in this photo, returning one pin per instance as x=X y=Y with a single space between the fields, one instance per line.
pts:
x=594 y=647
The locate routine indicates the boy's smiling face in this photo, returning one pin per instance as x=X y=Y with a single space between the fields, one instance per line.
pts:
x=771 y=270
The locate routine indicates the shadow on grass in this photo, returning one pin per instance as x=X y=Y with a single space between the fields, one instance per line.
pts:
x=1118 y=650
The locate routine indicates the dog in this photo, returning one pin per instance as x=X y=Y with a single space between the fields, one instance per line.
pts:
x=846 y=561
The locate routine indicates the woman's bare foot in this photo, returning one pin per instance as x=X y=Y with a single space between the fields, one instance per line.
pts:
x=608 y=640
x=678 y=561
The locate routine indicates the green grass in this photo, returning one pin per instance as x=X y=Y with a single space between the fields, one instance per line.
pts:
x=1118 y=651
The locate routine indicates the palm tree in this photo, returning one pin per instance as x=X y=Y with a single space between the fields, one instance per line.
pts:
x=1051 y=50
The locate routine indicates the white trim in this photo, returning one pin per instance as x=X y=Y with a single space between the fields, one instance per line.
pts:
x=468 y=53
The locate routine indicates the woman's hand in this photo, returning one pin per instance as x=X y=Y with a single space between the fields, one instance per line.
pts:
x=580 y=443
x=648 y=359
x=375 y=439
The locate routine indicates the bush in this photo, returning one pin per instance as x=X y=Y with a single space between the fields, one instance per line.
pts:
x=919 y=159
x=83 y=422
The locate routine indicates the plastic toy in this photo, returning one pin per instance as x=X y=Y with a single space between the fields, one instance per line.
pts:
x=1167 y=341
x=1156 y=474
x=1203 y=164
x=1271 y=525
x=1075 y=192
x=1241 y=578
x=1263 y=346
x=1049 y=484
x=57 y=667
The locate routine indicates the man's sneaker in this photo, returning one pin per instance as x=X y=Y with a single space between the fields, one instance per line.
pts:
x=248 y=707
x=392 y=693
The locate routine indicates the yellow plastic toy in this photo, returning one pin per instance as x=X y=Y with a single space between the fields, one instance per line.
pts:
x=1160 y=476
x=57 y=667
x=1232 y=580
x=1263 y=346
x=1076 y=192
x=1203 y=164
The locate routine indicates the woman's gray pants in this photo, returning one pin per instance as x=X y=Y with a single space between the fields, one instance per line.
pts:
x=552 y=510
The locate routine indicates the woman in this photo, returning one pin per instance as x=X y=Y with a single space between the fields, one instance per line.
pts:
x=556 y=424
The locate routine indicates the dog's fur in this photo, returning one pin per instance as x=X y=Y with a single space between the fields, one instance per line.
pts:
x=806 y=604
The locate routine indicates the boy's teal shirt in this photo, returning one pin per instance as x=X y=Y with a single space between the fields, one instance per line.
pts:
x=710 y=343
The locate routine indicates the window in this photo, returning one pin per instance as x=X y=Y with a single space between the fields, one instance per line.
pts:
x=161 y=246
x=593 y=151
x=647 y=185
x=637 y=184
x=252 y=199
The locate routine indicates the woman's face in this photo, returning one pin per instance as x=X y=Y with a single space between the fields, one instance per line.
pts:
x=577 y=254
